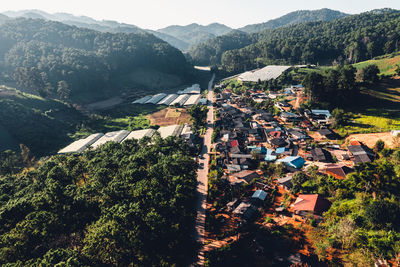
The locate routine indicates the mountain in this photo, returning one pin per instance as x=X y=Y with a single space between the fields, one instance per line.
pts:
x=350 y=39
x=210 y=51
x=83 y=65
x=295 y=17
x=3 y=18
x=195 y=33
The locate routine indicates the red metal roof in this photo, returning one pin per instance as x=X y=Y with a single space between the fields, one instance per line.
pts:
x=355 y=143
x=311 y=202
x=234 y=143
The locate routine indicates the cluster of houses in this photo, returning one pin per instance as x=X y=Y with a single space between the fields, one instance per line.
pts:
x=94 y=141
x=187 y=97
x=248 y=136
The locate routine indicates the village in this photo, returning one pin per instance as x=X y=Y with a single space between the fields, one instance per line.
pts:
x=263 y=157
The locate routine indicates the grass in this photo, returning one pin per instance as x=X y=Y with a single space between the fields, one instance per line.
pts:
x=377 y=109
x=387 y=64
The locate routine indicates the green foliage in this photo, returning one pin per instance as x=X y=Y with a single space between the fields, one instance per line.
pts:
x=82 y=64
x=122 y=204
x=340 y=117
x=353 y=38
x=199 y=115
x=383 y=214
x=370 y=74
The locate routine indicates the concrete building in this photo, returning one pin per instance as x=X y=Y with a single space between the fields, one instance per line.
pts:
x=116 y=136
x=81 y=144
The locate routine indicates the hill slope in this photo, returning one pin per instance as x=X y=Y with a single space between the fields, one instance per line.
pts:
x=97 y=25
x=353 y=38
x=195 y=33
x=90 y=65
x=295 y=17
x=210 y=51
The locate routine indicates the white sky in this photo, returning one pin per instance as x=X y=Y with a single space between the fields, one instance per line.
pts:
x=155 y=14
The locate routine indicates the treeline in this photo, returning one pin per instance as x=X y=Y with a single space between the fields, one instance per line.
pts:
x=65 y=61
x=128 y=204
x=350 y=39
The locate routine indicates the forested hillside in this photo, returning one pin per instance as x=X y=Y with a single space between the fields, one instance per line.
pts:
x=352 y=39
x=296 y=17
x=210 y=52
x=62 y=61
x=194 y=33
x=128 y=204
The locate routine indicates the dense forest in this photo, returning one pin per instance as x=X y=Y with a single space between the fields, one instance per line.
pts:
x=128 y=204
x=353 y=38
x=296 y=17
x=73 y=63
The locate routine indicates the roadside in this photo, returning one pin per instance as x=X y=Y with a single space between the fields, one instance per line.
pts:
x=202 y=178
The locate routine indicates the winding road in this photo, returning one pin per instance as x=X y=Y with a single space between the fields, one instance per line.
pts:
x=202 y=179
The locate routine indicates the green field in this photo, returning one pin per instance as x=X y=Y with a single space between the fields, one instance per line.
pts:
x=386 y=64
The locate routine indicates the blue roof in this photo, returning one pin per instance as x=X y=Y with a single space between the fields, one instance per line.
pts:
x=260 y=194
x=280 y=150
x=270 y=157
x=293 y=161
x=321 y=112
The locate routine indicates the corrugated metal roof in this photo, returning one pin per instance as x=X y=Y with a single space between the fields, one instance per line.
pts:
x=116 y=136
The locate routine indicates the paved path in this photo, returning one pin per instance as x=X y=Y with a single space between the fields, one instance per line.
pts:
x=202 y=180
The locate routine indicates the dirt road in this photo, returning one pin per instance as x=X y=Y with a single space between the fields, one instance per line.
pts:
x=202 y=179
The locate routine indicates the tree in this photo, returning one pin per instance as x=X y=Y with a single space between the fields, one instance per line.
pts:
x=314 y=83
x=379 y=146
x=340 y=117
x=370 y=74
x=199 y=115
x=397 y=71
x=63 y=90
x=298 y=179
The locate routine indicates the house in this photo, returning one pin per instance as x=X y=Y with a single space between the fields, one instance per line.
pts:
x=361 y=153
x=233 y=168
x=337 y=171
x=296 y=162
x=233 y=204
x=326 y=133
x=286 y=182
x=260 y=195
x=278 y=142
x=246 y=211
x=246 y=175
x=320 y=155
x=290 y=117
x=313 y=204
x=281 y=150
x=297 y=134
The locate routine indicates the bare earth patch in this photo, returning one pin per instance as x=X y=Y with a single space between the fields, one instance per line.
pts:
x=169 y=116
x=370 y=139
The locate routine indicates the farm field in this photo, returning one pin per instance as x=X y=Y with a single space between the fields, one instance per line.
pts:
x=169 y=116
x=370 y=139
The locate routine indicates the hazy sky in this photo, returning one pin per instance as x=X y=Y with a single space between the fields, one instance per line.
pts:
x=155 y=14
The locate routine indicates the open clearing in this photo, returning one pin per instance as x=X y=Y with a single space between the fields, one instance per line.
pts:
x=370 y=139
x=169 y=116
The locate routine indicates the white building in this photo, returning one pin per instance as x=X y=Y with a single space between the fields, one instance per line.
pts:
x=192 y=100
x=168 y=99
x=116 y=136
x=173 y=130
x=81 y=144
x=142 y=100
x=156 y=98
x=139 y=134
x=180 y=100
x=264 y=74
